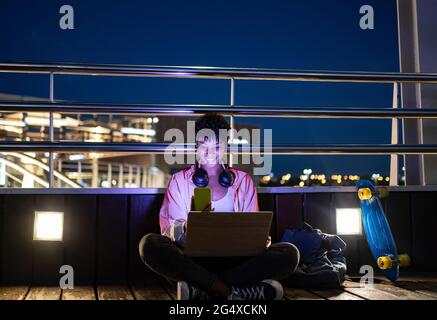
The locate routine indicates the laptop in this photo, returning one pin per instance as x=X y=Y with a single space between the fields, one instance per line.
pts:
x=227 y=234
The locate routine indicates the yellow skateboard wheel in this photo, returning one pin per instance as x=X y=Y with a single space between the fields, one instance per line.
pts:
x=385 y=263
x=404 y=260
x=364 y=193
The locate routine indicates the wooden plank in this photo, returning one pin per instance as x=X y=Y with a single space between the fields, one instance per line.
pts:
x=369 y=292
x=299 y=294
x=13 y=293
x=80 y=233
x=422 y=287
x=336 y=294
x=16 y=239
x=169 y=287
x=44 y=293
x=403 y=294
x=114 y=293
x=150 y=293
x=421 y=283
x=79 y=293
x=112 y=239
x=289 y=212
x=415 y=277
x=143 y=219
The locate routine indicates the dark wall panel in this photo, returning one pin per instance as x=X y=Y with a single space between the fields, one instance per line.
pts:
x=112 y=235
x=397 y=209
x=80 y=235
x=16 y=239
x=266 y=202
x=1 y=234
x=365 y=257
x=289 y=212
x=424 y=222
x=144 y=219
x=317 y=211
x=48 y=257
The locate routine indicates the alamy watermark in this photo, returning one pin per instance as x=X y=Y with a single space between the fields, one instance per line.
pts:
x=67 y=280
x=244 y=145
x=368 y=275
x=66 y=22
x=367 y=20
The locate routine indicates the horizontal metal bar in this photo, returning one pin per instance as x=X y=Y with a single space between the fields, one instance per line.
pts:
x=276 y=149
x=239 y=111
x=216 y=72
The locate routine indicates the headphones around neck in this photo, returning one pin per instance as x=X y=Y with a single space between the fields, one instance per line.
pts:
x=226 y=178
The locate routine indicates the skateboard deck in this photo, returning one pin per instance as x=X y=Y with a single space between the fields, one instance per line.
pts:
x=378 y=233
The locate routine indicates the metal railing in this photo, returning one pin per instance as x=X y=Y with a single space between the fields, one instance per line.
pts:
x=231 y=110
x=217 y=73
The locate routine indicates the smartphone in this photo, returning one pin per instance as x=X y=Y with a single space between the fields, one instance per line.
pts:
x=202 y=199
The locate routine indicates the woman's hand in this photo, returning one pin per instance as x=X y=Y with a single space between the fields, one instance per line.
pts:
x=269 y=242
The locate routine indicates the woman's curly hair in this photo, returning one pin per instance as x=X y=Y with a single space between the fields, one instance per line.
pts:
x=212 y=121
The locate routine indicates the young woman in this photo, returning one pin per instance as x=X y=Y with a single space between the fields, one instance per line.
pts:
x=254 y=278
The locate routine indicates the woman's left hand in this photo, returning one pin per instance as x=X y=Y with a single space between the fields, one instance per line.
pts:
x=269 y=242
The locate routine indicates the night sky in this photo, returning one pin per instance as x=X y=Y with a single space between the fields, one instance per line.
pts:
x=310 y=34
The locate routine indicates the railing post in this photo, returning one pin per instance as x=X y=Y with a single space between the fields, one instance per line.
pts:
x=232 y=124
x=79 y=172
x=59 y=170
x=138 y=177
x=109 y=178
x=129 y=176
x=409 y=59
x=95 y=172
x=394 y=140
x=143 y=177
x=51 y=130
x=120 y=176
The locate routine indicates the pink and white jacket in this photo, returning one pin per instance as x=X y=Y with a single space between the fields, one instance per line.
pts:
x=177 y=200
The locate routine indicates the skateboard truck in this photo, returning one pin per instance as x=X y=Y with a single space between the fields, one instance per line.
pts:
x=387 y=262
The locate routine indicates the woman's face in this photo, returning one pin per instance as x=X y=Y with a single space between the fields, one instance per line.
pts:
x=209 y=151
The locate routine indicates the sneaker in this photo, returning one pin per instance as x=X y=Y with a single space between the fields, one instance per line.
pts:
x=265 y=290
x=188 y=292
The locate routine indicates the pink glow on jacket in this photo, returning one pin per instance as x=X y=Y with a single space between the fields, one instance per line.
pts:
x=180 y=190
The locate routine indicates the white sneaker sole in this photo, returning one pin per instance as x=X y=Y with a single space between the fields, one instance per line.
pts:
x=182 y=291
x=278 y=288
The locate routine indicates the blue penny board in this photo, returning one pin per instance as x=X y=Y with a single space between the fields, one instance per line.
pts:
x=377 y=229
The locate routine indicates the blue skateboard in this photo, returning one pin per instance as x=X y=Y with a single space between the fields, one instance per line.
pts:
x=377 y=229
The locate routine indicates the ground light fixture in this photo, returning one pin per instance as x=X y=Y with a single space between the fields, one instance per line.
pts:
x=48 y=226
x=348 y=221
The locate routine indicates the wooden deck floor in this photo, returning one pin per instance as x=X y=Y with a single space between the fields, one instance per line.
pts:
x=411 y=287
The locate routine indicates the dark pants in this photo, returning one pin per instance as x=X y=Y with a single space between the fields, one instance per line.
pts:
x=167 y=259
